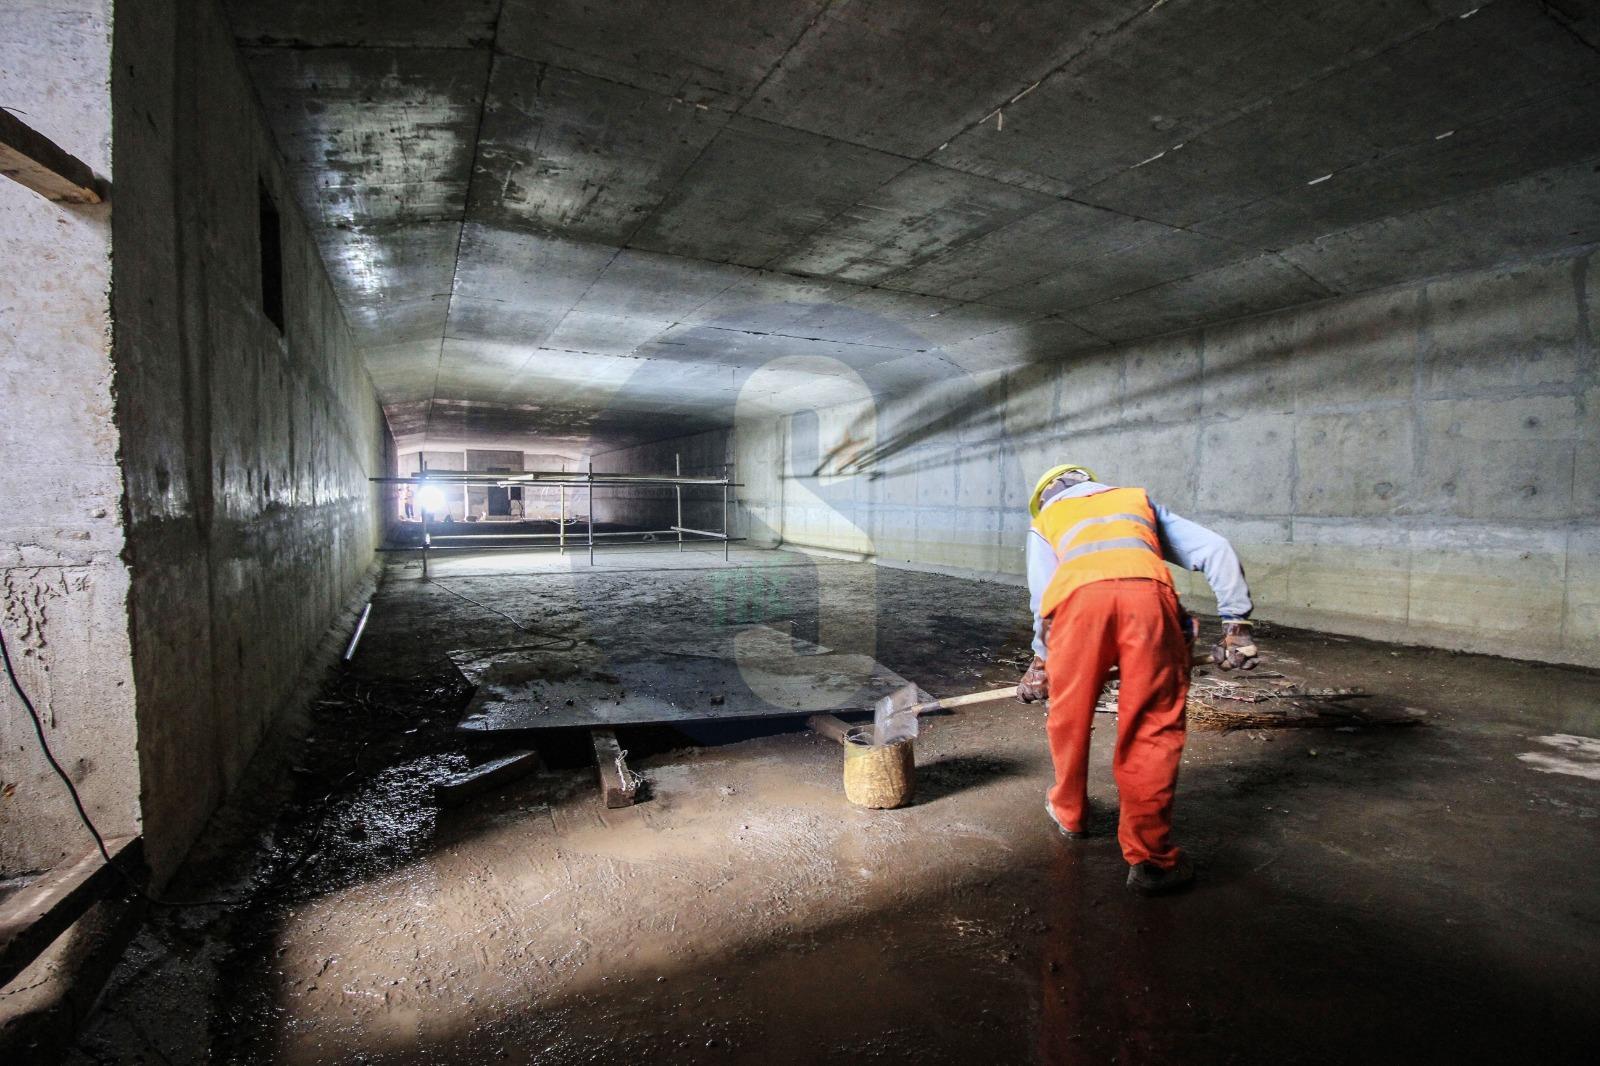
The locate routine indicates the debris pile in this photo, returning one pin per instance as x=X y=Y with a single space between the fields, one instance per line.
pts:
x=1262 y=700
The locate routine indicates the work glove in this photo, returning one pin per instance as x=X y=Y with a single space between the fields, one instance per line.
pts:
x=1034 y=686
x=1237 y=648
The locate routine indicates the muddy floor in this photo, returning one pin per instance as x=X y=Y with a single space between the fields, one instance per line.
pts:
x=1398 y=895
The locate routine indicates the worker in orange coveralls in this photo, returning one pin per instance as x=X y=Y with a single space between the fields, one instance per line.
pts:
x=1102 y=597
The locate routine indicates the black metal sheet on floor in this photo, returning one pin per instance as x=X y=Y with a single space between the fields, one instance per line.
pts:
x=716 y=674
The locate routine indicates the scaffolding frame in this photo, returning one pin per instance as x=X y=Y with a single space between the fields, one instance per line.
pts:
x=563 y=480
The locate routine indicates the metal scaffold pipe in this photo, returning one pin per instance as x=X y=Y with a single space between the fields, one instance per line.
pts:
x=433 y=542
x=459 y=477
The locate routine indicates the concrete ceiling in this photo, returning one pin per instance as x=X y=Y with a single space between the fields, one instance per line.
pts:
x=616 y=220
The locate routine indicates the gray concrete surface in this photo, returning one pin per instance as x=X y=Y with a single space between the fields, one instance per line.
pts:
x=245 y=450
x=63 y=584
x=610 y=218
x=1424 y=895
x=1418 y=464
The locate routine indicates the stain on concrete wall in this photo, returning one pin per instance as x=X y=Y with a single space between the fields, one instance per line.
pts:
x=1418 y=464
x=246 y=447
x=63 y=585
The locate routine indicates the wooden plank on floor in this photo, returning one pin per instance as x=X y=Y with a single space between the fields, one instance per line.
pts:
x=31 y=159
x=31 y=919
x=830 y=726
x=618 y=787
x=458 y=788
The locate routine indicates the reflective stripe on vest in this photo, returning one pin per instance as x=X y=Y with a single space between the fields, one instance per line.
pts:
x=1100 y=537
x=1070 y=534
x=1103 y=545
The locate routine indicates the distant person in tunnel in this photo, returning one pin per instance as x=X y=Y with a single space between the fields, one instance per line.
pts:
x=1102 y=598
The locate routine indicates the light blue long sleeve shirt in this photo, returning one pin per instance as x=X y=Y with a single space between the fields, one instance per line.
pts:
x=1184 y=543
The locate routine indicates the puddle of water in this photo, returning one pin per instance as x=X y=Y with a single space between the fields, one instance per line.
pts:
x=1573 y=755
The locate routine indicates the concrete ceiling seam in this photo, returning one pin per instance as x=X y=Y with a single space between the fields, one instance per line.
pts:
x=1501 y=95
x=1249 y=98
x=928 y=158
x=642 y=222
x=910 y=161
x=477 y=148
x=1099 y=42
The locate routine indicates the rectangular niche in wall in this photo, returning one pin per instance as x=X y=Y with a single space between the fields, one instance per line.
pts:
x=271 y=258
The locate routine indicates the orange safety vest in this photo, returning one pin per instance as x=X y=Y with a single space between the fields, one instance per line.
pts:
x=1106 y=535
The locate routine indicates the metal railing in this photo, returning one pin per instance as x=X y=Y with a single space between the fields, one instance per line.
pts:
x=563 y=480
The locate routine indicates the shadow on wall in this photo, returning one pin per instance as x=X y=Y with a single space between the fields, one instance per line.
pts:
x=1488 y=340
x=1268 y=368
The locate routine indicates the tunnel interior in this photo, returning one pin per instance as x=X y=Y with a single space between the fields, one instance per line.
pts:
x=362 y=362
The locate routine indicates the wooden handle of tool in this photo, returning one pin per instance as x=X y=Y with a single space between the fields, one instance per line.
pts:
x=832 y=726
x=950 y=702
x=994 y=695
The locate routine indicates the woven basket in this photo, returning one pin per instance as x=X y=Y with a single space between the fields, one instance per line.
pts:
x=880 y=777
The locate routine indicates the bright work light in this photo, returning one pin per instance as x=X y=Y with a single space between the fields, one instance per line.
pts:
x=431 y=499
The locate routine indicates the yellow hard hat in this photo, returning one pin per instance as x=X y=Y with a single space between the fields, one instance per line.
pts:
x=1049 y=476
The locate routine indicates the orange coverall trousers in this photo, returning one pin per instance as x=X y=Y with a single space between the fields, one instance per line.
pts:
x=1130 y=623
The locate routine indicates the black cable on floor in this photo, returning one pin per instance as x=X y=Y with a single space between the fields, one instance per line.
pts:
x=77 y=800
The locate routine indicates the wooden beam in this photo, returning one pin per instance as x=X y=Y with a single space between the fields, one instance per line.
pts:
x=618 y=786
x=31 y=919
x=458 y=788
x=830 y=726
x=29 y=158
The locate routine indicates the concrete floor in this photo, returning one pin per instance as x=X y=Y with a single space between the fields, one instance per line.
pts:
x=1401 y=895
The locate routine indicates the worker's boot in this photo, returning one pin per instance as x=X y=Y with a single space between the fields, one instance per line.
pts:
x=1152 y=880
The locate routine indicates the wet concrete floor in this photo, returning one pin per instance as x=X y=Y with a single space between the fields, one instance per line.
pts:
x=1403 y=895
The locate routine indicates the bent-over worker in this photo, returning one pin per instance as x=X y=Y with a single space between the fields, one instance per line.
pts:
x=1102 y=597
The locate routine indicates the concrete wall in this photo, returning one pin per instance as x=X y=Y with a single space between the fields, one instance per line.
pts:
x=63 y=585
x=246 y=450
x=654 y=506
x=1420 y=464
